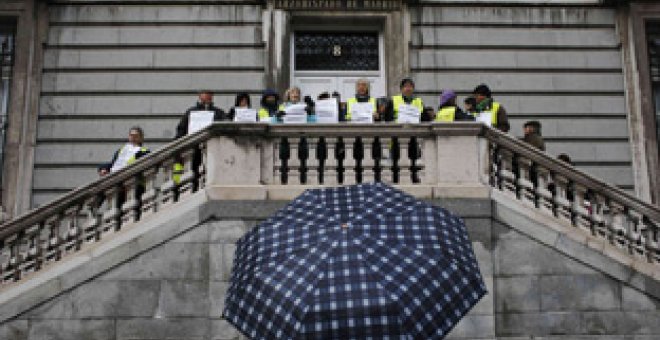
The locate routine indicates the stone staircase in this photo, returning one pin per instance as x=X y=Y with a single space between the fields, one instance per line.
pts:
x=579 y=262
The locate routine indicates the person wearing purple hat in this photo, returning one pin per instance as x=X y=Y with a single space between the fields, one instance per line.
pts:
x=448 y=111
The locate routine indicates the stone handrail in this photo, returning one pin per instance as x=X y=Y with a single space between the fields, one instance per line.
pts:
x=259 y=161
x=556 y=188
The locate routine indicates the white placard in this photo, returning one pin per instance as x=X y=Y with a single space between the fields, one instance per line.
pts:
x=295 y=114
x=245 y=115
x=408 y=114
x=485 y=117
x=327 y=111
x=199 y=120
x=128 y=151
x=362 y=112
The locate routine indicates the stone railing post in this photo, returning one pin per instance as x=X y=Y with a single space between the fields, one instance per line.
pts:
x=234 y=163
x=459 y=169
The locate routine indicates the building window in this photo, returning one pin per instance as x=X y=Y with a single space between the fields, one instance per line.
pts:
x=653 y=30
x=7 y=43
x=336 y=51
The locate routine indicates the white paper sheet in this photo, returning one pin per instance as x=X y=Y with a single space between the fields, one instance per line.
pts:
x=199 y=120
x=245 y=115
x=408 y=114
x=362 y=112
x=295 y=114
x=128 y=151
x=327 y=111
x=485 y=117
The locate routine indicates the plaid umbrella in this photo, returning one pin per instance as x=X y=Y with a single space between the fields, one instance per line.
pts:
x=357 y=262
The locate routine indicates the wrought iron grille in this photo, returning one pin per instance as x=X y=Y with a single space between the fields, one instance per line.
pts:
x=7 y=34
x=371 y=5
x=336 y=51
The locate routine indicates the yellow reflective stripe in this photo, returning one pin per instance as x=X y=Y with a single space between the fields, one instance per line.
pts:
x=447 y=114
x=263 y=114
x=495 y=109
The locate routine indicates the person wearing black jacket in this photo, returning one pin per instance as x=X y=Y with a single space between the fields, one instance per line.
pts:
x=242 y=102
x=205 y=103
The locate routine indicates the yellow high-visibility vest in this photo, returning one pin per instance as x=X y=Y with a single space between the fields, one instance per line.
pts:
x=352 y=101
x=398 y=100
x=446 y=114
x=493 y=109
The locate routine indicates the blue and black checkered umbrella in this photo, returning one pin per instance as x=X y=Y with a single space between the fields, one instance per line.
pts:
x=357 y=262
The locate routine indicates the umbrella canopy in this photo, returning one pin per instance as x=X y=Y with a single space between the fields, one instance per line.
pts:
x=357 y=262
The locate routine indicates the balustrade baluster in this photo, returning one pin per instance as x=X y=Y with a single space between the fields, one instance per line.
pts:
x=349 y=162
x=131 y=206
x=73 y=236
x=545 y=201
x=168 y=188
x=53 y=246
x=524 y=184
x=149 y=199
x=562 y=204
x=506 y=173
x=187 y=184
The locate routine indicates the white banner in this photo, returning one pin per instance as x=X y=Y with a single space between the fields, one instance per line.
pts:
x=362 y=112
x=295 y=114
x=245 y=115
x=327 y=111
x=408 y=114
x=124 y=155
x=199 y=120
x=485 y=117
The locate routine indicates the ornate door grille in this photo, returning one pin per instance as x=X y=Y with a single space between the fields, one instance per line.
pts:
x=336 y=51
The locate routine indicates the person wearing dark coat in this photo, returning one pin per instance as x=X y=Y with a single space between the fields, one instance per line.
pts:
x=242 y=102
x=533 y=135
x=205 y=103
x=270 y=106
x=485 y=103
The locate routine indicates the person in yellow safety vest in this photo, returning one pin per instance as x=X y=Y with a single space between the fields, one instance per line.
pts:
x=448 y=111
x=407 y=96
x=362 y=89
x=485 y=103
x=293 y=96
x=127 y=154
x=269 y=110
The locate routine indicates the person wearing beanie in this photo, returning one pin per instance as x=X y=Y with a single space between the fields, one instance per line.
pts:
x=407 y=97
x=485 y=103
x=448 y=111
x=269 y=106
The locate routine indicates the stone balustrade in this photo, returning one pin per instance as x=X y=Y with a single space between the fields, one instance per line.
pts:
x=230 y=161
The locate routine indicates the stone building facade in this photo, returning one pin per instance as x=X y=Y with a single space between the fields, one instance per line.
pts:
x=84 y=71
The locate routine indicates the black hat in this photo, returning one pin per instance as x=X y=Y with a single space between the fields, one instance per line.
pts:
x=405 y=81
x=533 y=123
x=482 y=89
